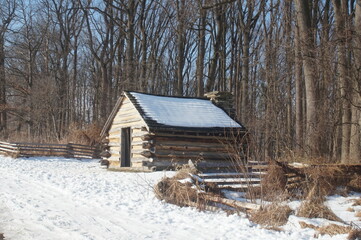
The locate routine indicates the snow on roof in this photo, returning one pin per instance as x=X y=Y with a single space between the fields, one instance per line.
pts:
x=183 y=112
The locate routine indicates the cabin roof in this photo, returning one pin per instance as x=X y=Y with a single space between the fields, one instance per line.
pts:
x=164 y=113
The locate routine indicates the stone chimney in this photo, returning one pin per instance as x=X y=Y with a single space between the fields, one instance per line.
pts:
x=223 y=100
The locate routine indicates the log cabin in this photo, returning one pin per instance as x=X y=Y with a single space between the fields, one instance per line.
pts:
x=156 y=132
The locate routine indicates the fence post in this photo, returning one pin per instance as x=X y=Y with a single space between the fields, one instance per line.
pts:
x=70 y=150
x=18 y=151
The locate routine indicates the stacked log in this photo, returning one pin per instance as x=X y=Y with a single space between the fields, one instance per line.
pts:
x=41 y=149
x=209 y=151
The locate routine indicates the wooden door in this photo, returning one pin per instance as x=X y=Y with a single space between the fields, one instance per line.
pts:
x=125 y=148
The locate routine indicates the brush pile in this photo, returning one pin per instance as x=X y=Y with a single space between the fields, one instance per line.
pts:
x=185 y=190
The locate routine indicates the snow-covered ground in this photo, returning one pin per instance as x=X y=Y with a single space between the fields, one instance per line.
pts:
x=58 y=198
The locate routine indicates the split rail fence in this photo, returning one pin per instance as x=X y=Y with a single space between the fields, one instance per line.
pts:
x=70 y=150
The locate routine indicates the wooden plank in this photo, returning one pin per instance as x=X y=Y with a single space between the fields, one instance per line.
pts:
x=131 y=122
x=189 y=147
x=233 y=203
x=7 y=143
x=232 y=180
x=230 y=174
x=191 y=155
x=175 y=138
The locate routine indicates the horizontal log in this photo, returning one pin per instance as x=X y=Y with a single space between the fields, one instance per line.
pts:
x=8 y=147
x=9 y=150
x=175 y=138
x=22 y=144
x=232 y=203
x=189 y=147
x=6 y=143
x=169 y=162
x=231 y=174
x=46 y=148
x=224 y=181
x=199 y=134
x=192 y=155
x=25 y=150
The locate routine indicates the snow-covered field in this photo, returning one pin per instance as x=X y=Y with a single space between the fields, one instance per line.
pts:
x=58 y=198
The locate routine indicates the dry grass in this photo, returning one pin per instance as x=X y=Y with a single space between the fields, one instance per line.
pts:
x=350 y=209
x=331 y=229
x=355 y=234
x=310 y=209
x=355 y=183
x=88 y=135
x=356 y=202
x=179 y=193
x=175 y=192
x=324 y=181
x=274 y=184
x=358 y=214
x=273 y=215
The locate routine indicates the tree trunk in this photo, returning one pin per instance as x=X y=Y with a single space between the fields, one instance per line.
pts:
x=181 y=38
x=245 y=77
x=355 y=148
x=131 y=84
x=216 y=51
x=309 y=63
x=2 y=88
x=201 y=52
x=340 y=9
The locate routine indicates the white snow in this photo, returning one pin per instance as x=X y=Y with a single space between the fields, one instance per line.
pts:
x=58 y=198
x=183 y=112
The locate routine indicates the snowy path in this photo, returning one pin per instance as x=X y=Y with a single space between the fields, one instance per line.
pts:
x=56 y=198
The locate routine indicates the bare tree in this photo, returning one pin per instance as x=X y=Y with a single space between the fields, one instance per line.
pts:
x=7 y=14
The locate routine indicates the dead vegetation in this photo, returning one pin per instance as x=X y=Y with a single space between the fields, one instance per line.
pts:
x=355 y=184
x=274 y=184
x=172 y=190
x=356 y=202
x=355 y=234
x=87 y=135
x=315 y=184
x=184 y=191
x=311 y=209
x=330 y=229
x=273 y=215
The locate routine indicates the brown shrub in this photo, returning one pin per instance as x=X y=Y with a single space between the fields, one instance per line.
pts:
x=88 y=135
x=355 y=183
x=273 y=215
x=310 y=209
x=175 y=192
x=184 y=171
x=273 y=184
x=355 y=234
x=172 y=190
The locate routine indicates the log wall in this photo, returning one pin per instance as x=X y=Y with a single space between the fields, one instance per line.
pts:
x=167 y=149
x=127 y=117
x=208 y=151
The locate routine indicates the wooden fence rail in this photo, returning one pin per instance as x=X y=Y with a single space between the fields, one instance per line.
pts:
x=40 y=149
x=239 y=181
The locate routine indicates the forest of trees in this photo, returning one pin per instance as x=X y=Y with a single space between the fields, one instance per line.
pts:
x=294 y=67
